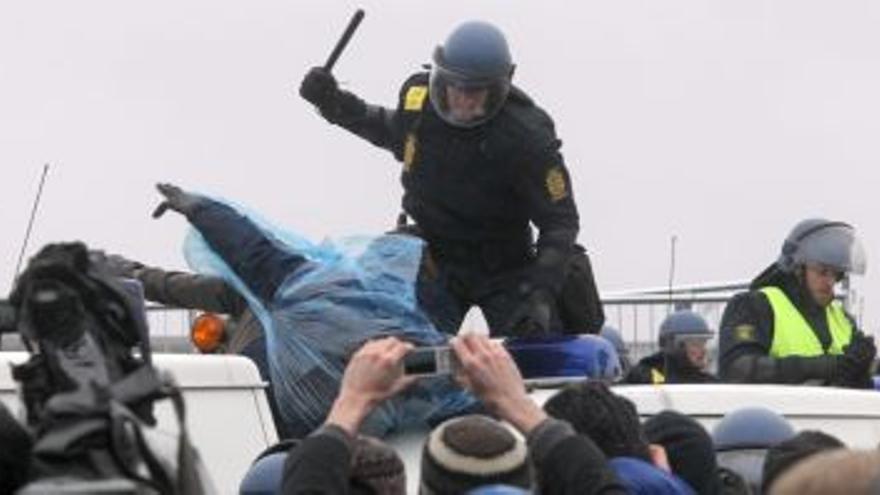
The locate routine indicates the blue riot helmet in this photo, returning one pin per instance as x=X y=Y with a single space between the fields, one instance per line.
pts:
x=266 y=472
x=611 y=334
x=564 y=356
x=826 y=242
x=471 y=73
x=742 y=438
x=264 y=475
x=682 y=326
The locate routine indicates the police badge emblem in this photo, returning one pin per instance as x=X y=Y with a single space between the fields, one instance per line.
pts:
x=555 y=183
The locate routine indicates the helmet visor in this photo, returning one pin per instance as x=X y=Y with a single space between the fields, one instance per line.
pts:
x=834 y=246
x=466 y=101
x=692 y=338
x=748 y=463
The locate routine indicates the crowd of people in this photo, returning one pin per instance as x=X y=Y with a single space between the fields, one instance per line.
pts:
x=585 y=439
x=330 y=328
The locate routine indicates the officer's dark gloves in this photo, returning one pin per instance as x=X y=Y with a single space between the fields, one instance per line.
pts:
x=176 y=199
x=115 y=264
x=854 y=366
x=533 y=317
x=319 y=88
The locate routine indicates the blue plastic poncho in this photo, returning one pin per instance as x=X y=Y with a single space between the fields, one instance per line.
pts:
x=347 y=292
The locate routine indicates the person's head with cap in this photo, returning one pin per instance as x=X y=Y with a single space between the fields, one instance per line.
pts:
x=785 y=455
x=472 y=451
x=610 y=420
x=742 y=438
x=688 y=447
x=376 y=468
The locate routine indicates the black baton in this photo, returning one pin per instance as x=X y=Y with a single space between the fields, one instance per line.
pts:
x=343 y=41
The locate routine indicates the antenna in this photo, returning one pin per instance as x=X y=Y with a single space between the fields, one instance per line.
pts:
x=671 y=268
x=27 y=234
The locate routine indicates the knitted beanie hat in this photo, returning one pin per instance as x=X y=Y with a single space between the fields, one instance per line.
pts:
x=470 y=451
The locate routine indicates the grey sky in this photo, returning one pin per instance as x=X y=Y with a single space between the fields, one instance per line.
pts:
x=723 y=122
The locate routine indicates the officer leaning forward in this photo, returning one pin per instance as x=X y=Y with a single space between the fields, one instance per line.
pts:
x=789 y=328
x=480 y=162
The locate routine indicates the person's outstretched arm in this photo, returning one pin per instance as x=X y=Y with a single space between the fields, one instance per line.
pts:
x=567 y=463
x=321 y=463
x=178 y=289
x=257 y=260
x=374 y=123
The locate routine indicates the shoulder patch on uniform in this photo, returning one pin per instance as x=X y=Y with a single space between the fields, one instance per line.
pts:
x=556 y=186
x=744 y=332
x=415 y=98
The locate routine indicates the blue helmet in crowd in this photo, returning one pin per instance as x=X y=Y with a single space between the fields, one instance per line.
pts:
x=264 y=475
x=680 y=326
x=612 y=335
x=267 y=471
x=558 y=356
x=742 y=438
x=474 y=68
x=751 y=428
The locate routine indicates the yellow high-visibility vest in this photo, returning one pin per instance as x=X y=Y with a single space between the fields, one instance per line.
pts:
x=657 y=377
x=793 y=336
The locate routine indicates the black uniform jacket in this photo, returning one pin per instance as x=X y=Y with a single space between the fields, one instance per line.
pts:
x=480 y=186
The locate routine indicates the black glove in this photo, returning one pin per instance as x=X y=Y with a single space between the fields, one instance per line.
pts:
x=176 y=199
x=854 y=366
x=115 y=264
x=319 y=88
x=532 y=318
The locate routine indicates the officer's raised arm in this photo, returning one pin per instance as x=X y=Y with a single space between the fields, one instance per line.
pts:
x=374 y=123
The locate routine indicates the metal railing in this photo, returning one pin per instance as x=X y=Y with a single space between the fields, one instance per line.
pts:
x=169 y=328
x=637 y=314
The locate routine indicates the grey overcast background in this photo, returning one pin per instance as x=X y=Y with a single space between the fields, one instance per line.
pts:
x=721 y=122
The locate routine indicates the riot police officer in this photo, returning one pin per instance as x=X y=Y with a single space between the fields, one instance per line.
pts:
x=682 y=358
x=789 y=328
x=481 y=161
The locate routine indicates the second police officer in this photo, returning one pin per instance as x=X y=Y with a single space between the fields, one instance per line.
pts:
x=683 y=356
x=789 y=328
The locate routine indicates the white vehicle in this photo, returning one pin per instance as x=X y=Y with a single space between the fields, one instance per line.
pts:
x=230 y=421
